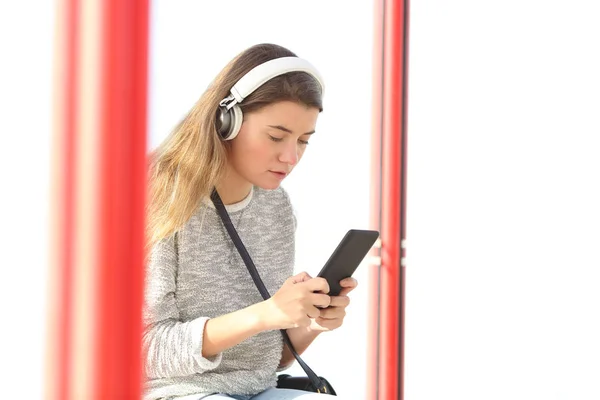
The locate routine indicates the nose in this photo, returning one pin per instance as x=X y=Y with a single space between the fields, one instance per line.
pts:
x=290 y=154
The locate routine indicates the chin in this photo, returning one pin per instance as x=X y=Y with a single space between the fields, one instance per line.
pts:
x=268 y=185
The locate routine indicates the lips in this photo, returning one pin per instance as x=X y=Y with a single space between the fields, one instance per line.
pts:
x=279 y=174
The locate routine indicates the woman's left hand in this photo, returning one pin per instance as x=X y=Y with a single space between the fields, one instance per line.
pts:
x=332 y=317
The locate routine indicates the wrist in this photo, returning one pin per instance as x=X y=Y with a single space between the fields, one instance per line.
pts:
x=260 y=313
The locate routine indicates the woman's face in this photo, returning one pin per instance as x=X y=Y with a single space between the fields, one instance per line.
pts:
x=271 y=142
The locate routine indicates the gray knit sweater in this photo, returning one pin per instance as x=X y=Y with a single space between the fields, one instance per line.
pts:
x=198 y=274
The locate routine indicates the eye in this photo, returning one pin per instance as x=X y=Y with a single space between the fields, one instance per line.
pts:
x=303 y=142
x=275 y=139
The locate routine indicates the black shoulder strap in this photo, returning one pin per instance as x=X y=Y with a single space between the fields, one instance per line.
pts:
x=216 y=199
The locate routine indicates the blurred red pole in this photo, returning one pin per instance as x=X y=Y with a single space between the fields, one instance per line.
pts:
x=99 y=170
x=122 y=186
x=373 y=351
x=60 y=302
x=388 y=303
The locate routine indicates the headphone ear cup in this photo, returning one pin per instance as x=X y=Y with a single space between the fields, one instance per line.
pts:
x=235 y=117
x=223 y=122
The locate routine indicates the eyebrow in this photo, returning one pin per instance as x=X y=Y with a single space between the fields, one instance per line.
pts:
x=284 y=129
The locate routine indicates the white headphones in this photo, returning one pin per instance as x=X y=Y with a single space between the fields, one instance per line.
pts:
x=230 y=114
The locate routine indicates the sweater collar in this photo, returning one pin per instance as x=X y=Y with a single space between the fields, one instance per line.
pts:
x=231 y=208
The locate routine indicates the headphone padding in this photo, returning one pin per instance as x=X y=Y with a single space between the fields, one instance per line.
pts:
x=236 y=118
x=223 y=121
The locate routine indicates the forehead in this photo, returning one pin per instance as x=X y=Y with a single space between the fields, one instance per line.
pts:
x=286 y=113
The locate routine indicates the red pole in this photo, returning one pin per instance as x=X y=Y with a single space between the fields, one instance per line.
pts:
x=373 y=350
x=59 y=310
x=122 y=185
x=389 y=381
x=99 y=194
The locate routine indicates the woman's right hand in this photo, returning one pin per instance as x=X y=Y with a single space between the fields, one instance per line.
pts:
x=296 y=302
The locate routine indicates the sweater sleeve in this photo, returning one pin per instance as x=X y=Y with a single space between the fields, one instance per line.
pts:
x=171 y=347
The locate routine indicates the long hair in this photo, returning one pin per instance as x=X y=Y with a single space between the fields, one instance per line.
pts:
x=188 y=164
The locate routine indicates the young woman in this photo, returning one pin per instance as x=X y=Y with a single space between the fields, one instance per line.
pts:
x=208 y=332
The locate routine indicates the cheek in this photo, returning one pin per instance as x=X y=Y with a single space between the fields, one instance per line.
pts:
x=257 y=150
x=249 y=152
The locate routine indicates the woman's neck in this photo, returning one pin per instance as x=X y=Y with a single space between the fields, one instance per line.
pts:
x=233 y=188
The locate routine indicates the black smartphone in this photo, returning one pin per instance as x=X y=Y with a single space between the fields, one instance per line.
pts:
x=347 y=257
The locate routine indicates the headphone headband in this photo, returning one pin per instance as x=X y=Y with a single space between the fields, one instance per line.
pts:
x=269 y=70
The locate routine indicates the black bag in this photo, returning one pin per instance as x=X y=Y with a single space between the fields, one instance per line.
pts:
x=285 y=381
x=310 y=383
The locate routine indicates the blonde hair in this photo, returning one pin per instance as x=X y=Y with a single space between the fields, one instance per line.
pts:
x=190 y=162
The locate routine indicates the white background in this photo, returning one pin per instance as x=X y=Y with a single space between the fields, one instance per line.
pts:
x=192 y=41
x=26 y=46
x=503 y=216
x=503 y=201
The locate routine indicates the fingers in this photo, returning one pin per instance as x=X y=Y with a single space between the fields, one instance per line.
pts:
x=348 y=285
x=349 y=282
x=301 y=277
x=320 y=300
x=318 y=285
x=328 y=324
x=313 y=312
x=339 y=301
x=333 y=313
x=332 y=317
